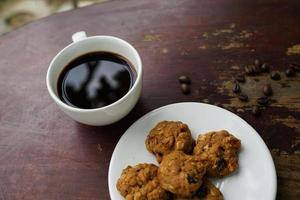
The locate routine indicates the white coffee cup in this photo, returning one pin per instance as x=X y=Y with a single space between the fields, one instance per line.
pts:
x=80 y=46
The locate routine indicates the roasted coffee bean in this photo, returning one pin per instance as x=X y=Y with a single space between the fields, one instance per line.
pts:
x=275 y=75
x=184 y=79
x=256 y=111
x=185 y=88
x=263 y=101
x=267 y=89
x=240 y=78
x=289 y=72
x=221 y=164
x=202 y=191
x=243 y=97
x=265 y=67
x=257 y=62
x=191 y=179
x=236 y=88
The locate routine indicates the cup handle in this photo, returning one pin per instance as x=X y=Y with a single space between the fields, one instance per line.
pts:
x=79 y=36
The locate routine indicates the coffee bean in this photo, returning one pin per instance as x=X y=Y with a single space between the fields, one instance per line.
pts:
x=185 y=88
x=243 y=97
x=265 y=67
x=263 y=101
x=275 y=75
x=257 y=62
x=184 y=79
x=240 y=78
x=256 y=111
x=267 y=89
x=236 y=88
x=289 y=72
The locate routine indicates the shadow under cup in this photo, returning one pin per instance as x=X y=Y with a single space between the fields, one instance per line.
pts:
x=112 y=112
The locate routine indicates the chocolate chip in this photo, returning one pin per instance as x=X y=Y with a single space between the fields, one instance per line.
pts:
x=289 y=72
x=191 y=179
x=265 y=67
x=236 y=88
x=267 y=89
x=202 y=191
x=263 y=101
x=240 y=78
x=169 y=196
x=256 y=111
x=221 y=164
x=275 y=75
x=185 y=88
x=184 y=79
x=243 y=97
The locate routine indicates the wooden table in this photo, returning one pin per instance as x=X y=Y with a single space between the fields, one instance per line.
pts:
x=46 y=155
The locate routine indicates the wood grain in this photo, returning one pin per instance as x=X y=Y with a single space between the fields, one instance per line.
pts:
x=46 y=155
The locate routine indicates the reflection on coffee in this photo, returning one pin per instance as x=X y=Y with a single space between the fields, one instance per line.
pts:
x=95 y=80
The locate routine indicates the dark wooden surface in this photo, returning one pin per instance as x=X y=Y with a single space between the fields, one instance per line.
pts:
x=46 y=155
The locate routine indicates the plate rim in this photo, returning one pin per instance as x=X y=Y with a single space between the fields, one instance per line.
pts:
x=273 y=168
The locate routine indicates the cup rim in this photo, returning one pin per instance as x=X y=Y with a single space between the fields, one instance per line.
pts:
x=60 y=102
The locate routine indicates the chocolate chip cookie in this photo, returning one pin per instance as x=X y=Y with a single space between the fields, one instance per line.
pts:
x=168 y=136
x=207 y=191
x=141 y=183
x=181 y=174
x=220 y=150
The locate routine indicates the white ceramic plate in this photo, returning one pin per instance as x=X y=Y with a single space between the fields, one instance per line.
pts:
x=256 y=177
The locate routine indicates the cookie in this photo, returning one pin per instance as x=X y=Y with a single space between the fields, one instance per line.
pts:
x=207 y=191
x=168 y=136
x=141 y=183
x=181 y=174
x=220 y=150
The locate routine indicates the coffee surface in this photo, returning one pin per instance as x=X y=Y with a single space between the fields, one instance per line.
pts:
x=95 y=80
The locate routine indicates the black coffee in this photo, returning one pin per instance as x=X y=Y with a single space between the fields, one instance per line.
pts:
x=95 y=80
